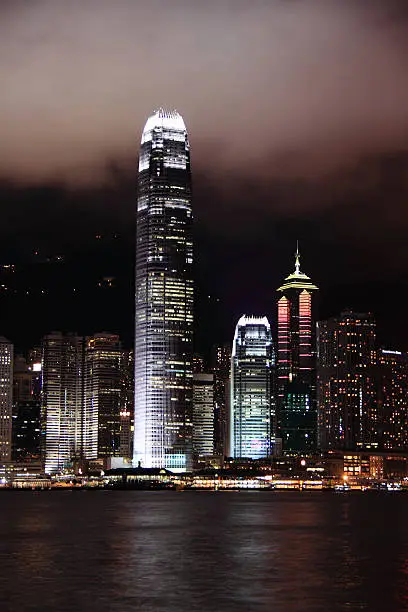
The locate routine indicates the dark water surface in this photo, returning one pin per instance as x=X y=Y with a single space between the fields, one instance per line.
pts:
x=119 y=551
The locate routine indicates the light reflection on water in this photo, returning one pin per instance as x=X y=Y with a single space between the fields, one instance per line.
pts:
x=197 y=551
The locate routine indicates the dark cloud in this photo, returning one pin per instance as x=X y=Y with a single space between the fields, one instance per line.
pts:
x=318 y=83
x=351 y=224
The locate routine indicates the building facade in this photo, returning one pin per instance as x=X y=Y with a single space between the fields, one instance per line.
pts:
x=203 y=415
x=62 y=397
x=392 y=397
x=347 y=388
x=164 y=297
x=26 y=429
x=221 y=365
x=296 y=363
x=127 y=405
x=6 y=398
x=252 y=400
x=102 y=398
x=85 y=405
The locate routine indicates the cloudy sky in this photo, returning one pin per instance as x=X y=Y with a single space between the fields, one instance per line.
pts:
x=307 y=85
x=297 y=113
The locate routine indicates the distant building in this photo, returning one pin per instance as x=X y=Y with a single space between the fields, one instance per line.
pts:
x=348 y=415
x=66 y=434
x=296 y=363
x=203 y=415
x=252 y=404
x=26 y=430
x=6 y=398
x=221 y=366
x=103 y=391
x=164 y=297
x=127 y=404
x=198 y=364
x=392 y=390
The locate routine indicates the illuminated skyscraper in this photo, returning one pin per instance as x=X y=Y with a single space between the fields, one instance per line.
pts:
x=347 y=397
x=203 y=415
x=297 y=413
x=82 y=396
x=6 y=397
x=252 y=403
x=164 y=297
x=62 y=399
x=103 y=391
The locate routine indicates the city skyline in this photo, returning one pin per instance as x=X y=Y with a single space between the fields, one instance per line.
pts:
x=258 y=182
x=203 y=253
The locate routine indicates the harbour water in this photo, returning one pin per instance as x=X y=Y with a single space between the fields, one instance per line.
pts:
x=121 y=551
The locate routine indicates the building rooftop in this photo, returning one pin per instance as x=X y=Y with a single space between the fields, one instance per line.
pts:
x=163 y=118
x=297 y=279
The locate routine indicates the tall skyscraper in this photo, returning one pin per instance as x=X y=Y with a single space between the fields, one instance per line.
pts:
x=221 y=365
x=296 y=383
x=6 y=397
x=203 y=415
x=348 y=416
x=103 y=390
x=252 y=404
x=164 y=297
x=62 y=392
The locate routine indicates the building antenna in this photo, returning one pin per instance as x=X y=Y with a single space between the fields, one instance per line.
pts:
x=297 y=258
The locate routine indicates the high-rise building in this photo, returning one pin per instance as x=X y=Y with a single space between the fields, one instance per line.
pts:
x=127 y=404
x=6 y=398
x=252 y=402
x=103 y=390
x=198 y=364
x=221 y=366
x=26 y=430
x=392 y=389
x=347 y=398
x=82 y=398
x=296 y=364
x=62 y=395
x=164 y=297
x=203 y=415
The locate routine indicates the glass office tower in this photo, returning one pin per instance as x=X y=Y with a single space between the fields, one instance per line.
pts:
x=164 y=297
x=297 y=404
x=252 y=405
x=203 y=415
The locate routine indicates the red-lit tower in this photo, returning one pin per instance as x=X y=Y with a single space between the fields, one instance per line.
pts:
x=296 y=363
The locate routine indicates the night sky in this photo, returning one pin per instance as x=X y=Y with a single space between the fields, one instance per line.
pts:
x=297 y=114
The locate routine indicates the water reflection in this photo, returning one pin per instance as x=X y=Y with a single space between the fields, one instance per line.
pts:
x=199 y=551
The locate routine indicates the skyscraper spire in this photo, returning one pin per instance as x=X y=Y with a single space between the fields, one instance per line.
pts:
x=297 y=258
x=297 y=279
